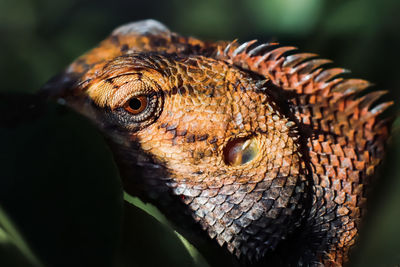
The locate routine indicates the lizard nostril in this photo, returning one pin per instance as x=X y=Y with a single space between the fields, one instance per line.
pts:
x=240 y=151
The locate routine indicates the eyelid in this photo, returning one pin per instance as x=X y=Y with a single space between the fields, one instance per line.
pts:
x=115 y=92
x=122 y=94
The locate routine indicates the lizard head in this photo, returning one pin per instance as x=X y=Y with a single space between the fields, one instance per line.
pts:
x=251 y=146
x=204 y=133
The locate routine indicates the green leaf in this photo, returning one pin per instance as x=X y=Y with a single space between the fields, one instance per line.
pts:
x=14 y=251
x=198 y=259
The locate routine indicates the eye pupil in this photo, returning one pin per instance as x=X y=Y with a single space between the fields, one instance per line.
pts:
x=135 y=103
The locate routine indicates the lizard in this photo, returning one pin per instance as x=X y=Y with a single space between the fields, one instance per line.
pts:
x=264 y=149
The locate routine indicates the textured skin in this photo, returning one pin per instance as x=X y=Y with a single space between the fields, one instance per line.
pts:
x=314 y=142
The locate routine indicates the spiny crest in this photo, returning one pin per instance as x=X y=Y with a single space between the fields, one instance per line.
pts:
x=304 y=74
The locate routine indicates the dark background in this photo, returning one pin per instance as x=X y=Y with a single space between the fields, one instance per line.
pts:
x=58 y=183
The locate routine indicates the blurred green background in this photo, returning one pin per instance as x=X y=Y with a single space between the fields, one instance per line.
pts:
x=58 y=184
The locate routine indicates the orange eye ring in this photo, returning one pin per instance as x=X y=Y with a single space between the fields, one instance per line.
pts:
x=136 y=104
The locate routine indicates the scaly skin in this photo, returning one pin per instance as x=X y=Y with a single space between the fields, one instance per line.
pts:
x=262 y=148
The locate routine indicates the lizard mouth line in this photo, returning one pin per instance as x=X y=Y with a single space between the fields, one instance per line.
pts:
x=240 y=151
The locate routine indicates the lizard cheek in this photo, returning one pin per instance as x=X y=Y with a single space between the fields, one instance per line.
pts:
x=240 y=151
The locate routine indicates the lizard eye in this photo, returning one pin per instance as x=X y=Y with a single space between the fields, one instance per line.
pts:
x=142 y=106
x=130 y=101
x=136 y=104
